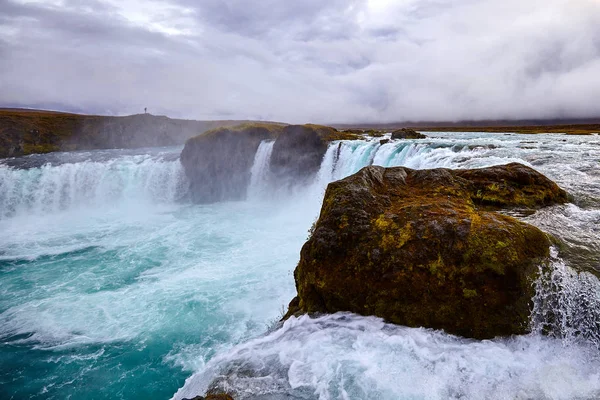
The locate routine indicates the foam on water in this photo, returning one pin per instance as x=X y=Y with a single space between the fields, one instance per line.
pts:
x=567 y=303
x=112 y=286
x=51 y=188
x=345 y=356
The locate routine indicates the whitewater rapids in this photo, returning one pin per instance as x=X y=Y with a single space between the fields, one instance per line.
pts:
x=112 y=285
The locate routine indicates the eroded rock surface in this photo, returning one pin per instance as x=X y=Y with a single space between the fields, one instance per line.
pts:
x=424 y=248
x=218 y=163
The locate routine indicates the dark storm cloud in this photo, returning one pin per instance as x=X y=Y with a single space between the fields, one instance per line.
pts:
x=321 y=61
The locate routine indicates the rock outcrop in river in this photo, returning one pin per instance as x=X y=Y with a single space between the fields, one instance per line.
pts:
x=218 y=162
x=425 y=248
x=407 y=133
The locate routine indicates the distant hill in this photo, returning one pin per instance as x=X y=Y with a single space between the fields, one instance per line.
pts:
x=24 y=131
x=569 y=126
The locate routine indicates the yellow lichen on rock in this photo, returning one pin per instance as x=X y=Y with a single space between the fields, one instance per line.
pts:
x=417 y=248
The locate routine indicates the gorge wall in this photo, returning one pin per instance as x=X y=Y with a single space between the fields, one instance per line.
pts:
x=218 y=162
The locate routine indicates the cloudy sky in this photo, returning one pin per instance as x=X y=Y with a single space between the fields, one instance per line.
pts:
x=304 y=60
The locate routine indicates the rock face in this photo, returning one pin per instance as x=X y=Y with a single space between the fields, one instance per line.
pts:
x=218 y=163
x=423 y=248
x=299 y=150
x=512 y=185
x=407 y=133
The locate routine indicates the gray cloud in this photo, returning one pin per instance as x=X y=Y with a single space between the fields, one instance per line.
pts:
x=334 y=61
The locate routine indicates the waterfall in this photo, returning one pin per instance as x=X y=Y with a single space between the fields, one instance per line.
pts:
x=345 y=158
x=259 y=180
x=567 y=303
x=51 y=188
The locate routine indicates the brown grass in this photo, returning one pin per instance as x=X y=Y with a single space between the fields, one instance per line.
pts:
x=587 y=129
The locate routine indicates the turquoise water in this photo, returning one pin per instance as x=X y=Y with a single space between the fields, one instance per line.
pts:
x=108 y=306
x=113 y=286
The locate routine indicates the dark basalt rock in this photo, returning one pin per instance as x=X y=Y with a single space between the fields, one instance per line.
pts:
x=422 y=248
x=298 y=151
x=218 y=163
x=407 y=133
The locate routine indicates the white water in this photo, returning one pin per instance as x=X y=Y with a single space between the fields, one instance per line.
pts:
x=567 y=303
x=344 y=356
x=118 y=288
x=260 y=171
x=53 y=188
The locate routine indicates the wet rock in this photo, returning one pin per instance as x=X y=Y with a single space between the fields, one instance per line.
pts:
x=374 y=133
x=512 y=185
x=298 y=151
x=218 y=396
x=218 y=163
x=407 y=133
x=424 y=248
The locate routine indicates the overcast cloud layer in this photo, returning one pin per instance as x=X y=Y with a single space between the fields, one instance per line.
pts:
x=300 y=61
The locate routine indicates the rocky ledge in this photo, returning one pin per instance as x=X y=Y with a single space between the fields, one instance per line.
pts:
x=218 y=396
x=218 y=162
x=407 y=133
x=425 y=248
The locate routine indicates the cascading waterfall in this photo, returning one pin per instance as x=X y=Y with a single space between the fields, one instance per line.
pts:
x=260 y=172
x=348 y=157
x=51 y=188
x=304 y=357
x=567 y=303
x=154 y=294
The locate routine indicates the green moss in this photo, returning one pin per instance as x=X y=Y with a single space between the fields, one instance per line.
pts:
x=415 y=249
x=39 y=148
x=437 y=268
x=383 y=224
x=271 y=127
x=344 y=222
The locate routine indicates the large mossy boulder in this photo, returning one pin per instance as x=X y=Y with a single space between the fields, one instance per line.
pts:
x=407 y=133
x=218 y=163
x=416 y=248
x=511 y=186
